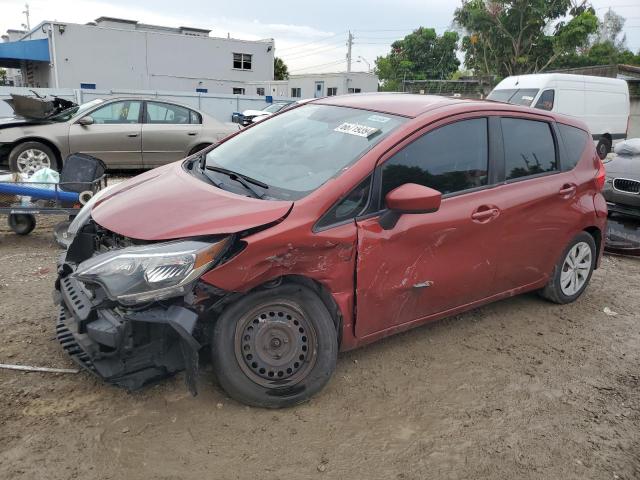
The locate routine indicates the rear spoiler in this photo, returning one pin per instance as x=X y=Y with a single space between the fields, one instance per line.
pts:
x=39 y=108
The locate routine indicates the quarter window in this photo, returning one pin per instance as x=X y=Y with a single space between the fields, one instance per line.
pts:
x=118 y=113
x=575 y=140
x=349 y=207
x=164 y=113
x=450 y=159
x=529 y=148
x=545 y=102
x=242 y=61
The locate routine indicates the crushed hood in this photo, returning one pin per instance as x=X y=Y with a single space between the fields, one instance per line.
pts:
x=168 y=203
x=39 y=108
x=624 y=165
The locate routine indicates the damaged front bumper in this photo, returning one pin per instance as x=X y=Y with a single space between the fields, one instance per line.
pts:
x=127 y=347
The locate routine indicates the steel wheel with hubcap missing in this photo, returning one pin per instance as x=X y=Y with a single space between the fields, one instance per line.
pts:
x=573 y=271
x=576 y=269
x=275 y=342
x=275 y=347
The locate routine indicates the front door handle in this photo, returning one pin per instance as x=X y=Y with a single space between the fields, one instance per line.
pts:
x=132 y=135
x=485 y=213
x=193 y=134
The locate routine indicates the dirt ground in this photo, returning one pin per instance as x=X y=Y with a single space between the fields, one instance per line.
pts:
x=519 y=389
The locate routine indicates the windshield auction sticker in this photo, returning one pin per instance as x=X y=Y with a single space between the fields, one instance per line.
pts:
x=378 y=118
x=356 y=129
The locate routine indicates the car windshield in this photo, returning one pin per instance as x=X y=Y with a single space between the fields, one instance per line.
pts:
x=297 y=151
x=276 y=107
x=520 y=96
x=77 y=110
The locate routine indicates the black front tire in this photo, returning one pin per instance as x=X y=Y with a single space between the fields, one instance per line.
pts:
x=22 y=224
x=553 y=290
x=237 y=380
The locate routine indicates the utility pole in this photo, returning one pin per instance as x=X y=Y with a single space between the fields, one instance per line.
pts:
x=349 y=44
x=26 y=12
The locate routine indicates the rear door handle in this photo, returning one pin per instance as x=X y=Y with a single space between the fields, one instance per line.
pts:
x=568 y=189
x=193 y=134
x=132 y=135
x=485 y=213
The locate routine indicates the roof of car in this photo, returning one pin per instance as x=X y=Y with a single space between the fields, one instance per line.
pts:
x=403 y=104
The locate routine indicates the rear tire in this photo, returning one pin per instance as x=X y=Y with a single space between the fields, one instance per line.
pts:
x=28 y=157
x=21 y=223
x=275 y=348
x=572 y=273
x=603 y=148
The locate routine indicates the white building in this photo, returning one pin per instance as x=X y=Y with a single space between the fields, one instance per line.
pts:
x=113 y=53
x=316 y=85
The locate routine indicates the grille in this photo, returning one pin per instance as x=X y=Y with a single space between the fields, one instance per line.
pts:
x=626 y=185
x=69 y=344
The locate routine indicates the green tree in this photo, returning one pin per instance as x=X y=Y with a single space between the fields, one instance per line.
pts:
x=280 y=69
x=511 y=37
x=418 y=56
x=607 y=46
x=3 y=76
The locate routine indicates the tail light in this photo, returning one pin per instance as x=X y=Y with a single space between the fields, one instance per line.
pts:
x=600 y=177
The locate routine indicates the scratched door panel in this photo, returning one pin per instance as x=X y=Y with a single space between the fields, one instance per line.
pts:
x=426 y=264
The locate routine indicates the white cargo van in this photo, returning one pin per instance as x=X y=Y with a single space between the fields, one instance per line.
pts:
x=602 y=103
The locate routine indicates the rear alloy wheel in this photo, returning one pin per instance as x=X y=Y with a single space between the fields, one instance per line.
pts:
x=603 y=148
x=275 y=347
x=30 y=157
x=572 y=274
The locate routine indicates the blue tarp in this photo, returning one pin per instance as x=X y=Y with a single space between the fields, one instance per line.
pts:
x=34 y=50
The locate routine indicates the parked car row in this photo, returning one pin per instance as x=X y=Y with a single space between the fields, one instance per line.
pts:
x=125 y=133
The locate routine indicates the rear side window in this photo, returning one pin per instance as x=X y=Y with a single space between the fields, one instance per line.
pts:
x=195 y=117
x=529 y=148
x=450 y=159
x=575 y=140
x=545 y=102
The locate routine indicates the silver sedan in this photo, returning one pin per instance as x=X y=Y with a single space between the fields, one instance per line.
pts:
x=125 y=133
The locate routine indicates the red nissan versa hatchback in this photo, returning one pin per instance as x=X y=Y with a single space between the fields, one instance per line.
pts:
x=323 y=228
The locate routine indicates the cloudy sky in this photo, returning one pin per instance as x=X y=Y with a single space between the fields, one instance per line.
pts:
x=309 y=38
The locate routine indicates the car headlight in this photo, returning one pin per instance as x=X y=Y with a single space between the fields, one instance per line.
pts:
x=151 y=272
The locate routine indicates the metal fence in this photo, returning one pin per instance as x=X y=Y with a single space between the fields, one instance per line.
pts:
x=219 y=105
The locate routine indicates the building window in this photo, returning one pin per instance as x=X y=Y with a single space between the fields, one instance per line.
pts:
x=354 y=90
x=296 y=92
x=202 y=90
x=238 y=91
x=332 y=91
x=242 y=61
x=88 y=86
x=260 y=91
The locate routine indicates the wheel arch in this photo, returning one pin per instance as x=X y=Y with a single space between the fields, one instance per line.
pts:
x=48 y=143
x=596 y=233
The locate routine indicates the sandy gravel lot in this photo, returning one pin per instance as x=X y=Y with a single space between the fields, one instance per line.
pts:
x=519 y=389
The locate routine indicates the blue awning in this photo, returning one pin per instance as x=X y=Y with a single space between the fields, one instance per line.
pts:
x=11 y=53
